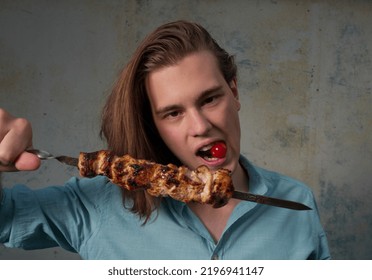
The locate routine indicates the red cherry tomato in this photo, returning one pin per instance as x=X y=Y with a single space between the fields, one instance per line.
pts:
x=219 y=150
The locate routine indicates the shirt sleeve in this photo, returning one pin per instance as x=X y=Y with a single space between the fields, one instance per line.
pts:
x=322 y=251
x=64 y=216
x=292 y=189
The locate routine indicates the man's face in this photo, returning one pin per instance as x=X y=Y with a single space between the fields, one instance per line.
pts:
x=194 y=107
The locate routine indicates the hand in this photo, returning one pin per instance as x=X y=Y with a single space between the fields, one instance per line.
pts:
x=15 y=138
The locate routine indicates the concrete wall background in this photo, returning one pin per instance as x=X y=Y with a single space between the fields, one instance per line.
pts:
x=305 y=84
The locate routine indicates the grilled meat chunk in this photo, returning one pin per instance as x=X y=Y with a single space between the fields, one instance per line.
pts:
x=201 y=185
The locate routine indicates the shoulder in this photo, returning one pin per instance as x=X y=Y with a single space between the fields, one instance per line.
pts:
x=95 y=189
x=282 y=180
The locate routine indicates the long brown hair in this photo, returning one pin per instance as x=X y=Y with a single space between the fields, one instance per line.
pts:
x=127 y=123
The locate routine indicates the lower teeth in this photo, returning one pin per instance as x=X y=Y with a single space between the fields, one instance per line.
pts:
x=210 y=158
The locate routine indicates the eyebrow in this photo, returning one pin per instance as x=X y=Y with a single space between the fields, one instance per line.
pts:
x=203 y=95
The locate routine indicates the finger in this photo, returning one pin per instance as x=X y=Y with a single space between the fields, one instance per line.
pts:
x=27 y=162
x=15 y=141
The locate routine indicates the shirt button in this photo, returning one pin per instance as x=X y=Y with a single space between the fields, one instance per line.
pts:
x=215 y=257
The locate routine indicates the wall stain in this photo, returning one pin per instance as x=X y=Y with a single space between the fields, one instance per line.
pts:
x=292 y=137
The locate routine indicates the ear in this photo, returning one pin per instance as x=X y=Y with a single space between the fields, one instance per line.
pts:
x=234 y=89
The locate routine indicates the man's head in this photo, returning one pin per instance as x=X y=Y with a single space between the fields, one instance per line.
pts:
x=194 y=108
x=128 y=116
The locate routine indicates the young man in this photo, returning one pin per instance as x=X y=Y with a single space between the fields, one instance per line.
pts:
x=175 y=99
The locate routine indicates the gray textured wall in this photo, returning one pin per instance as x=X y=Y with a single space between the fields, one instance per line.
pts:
x=305 y=85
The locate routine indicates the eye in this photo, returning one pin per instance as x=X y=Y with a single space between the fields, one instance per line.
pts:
x=210 y=100
x=172 y=115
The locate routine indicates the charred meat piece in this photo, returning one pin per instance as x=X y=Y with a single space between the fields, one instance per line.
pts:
x=200 y=185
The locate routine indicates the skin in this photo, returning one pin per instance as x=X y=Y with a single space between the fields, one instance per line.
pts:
x=193 y=106
x=15 y=138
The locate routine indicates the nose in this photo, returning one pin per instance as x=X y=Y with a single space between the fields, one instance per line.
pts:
x=198 y=123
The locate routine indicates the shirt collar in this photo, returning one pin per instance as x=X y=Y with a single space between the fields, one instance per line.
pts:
x=257 y=183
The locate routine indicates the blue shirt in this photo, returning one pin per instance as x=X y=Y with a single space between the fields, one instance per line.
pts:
x=87 y=216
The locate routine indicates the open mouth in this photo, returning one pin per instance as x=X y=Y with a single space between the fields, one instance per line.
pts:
x=213 y=151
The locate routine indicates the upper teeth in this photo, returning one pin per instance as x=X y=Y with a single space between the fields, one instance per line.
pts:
x=206 y=148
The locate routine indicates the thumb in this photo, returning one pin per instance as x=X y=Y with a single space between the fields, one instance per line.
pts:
x=27 y=162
